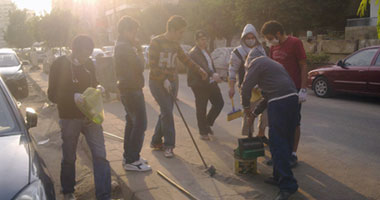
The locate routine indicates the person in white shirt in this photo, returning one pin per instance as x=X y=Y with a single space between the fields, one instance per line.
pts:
x=205 y=90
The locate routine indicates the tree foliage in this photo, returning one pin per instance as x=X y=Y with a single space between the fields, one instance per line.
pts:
x=58 y=28
x=18 y=33
x=296 y=15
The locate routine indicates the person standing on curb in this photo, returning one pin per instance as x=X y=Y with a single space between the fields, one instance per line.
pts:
x=289 y=51
x=163 y=51
x=205 y=90
x=129 y=66
x=69 y=77
x=281 y=99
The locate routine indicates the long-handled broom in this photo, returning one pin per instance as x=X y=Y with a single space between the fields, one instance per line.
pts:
x=234 y=114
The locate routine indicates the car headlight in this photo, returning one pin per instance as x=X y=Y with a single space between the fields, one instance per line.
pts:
x=34 y=191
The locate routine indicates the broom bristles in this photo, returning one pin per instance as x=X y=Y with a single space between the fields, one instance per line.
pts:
x=234 y=115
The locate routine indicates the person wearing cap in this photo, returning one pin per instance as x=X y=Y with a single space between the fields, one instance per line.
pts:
x=205 y=90
x=281 y=100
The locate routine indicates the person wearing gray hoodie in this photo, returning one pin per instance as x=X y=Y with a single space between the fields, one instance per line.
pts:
x=240 y=58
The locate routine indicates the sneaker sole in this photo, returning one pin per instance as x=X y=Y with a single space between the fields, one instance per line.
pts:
x=137 y=170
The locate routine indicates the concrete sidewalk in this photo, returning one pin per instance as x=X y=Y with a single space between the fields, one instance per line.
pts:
x=186 y=167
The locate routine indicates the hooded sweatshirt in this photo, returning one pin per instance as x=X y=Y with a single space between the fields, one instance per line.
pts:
x=236 y=62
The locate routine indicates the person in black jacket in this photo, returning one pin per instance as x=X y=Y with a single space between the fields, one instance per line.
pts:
x=205 y=90
x=129 y=65
x=68 y=78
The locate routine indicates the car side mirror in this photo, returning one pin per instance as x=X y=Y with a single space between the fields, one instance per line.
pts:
x=341 y=64
x=31 y=118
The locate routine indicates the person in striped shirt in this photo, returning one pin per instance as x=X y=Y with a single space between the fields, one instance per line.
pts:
x=163 y=51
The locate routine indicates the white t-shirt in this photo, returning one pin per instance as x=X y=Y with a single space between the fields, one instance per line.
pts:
x=209 y=61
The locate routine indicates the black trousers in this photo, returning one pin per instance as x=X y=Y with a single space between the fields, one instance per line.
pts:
x=210 y=92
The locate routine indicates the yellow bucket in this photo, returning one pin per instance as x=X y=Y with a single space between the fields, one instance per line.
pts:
x=242 y=167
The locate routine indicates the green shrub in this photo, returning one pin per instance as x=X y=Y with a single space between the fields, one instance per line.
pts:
x=316 y=60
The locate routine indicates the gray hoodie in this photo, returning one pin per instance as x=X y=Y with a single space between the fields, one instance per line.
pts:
x=243 y=49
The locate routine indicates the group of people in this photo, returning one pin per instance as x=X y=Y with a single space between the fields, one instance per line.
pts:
x=276 y=83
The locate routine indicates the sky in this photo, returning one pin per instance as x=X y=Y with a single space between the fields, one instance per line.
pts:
x=39 y=6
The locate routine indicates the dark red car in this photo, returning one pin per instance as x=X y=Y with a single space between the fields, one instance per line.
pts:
x=358 y=73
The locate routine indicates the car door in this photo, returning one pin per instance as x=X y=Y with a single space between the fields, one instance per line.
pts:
x=374 y=77
x=353 y=76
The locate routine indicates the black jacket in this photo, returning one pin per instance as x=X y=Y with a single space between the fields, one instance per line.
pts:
x=194 y=79
x=66 y=79
x=129 y=66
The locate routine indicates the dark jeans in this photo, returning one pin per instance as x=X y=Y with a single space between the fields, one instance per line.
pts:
x=165 y=123
x=136 y=123
x=71 y=128
x=202 y=96
x=283 y=119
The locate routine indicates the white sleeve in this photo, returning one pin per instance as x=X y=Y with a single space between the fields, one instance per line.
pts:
x=233 y=68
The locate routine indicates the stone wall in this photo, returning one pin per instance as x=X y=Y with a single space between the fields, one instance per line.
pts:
x=361 y=33
x=337 y=49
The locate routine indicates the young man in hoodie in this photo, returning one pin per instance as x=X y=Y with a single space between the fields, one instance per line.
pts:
x=205 y=90
x=129 y=64
x=289 y=51
x=163 y=51
x=238 y=64
x=69 y=77
x=281 y=99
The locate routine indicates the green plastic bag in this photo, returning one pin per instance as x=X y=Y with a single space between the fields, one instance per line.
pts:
x=92 y=105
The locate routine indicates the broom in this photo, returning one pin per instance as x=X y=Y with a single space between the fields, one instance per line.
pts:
x=234 y=114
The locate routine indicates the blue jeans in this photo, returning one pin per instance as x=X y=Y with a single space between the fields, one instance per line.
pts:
x=136 y=123
x=165 y=123
x=283 y=119
x=70 y=129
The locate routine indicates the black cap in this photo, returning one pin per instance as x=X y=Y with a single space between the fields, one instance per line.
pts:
x=200 y=34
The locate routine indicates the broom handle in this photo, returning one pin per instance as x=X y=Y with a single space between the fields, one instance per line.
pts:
x=233 y=105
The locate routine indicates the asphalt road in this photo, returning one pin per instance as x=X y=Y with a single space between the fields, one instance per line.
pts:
x=339 y=151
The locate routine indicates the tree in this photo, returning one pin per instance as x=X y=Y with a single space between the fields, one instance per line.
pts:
x=58 y=27
x=213 y=16
x=296 y=15
x=362 y=10
x=18 y=33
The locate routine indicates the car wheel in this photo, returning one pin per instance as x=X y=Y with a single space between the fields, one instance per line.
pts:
x=22 y=94
x=321 y=87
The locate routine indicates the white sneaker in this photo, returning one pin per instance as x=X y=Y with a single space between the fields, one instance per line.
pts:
x=142 y=160
x=69 y=196
x=137 y=166
x=169 y=153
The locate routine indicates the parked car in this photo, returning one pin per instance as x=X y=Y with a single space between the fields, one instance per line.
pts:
x=24 y=174
x=358 y=73
x=12 y=72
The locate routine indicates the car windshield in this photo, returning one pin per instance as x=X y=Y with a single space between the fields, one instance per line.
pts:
x=8 y=60
x=7 y=119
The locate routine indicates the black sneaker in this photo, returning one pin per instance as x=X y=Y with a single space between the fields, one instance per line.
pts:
x=283 y=195
x=271 y=181
x=293 y=161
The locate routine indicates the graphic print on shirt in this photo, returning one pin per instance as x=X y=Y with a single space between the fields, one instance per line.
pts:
x=167 y=60
x=279 y=55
